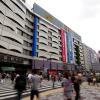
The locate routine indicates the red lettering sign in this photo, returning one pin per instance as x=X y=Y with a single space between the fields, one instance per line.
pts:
x=63 y=45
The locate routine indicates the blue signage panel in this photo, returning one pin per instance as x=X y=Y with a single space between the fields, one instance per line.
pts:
x=69 y=48
x=34 y=45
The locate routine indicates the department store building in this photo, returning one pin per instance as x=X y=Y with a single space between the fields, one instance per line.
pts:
x=31 y=38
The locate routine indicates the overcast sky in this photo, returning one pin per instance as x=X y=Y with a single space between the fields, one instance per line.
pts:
x=82 y=16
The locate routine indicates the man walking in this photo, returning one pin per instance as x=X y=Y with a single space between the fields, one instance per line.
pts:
x=36 y=80
x=20 y=85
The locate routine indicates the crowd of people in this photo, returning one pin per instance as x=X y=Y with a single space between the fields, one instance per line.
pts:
x=7 y=76
x=71 y=82
x=93 y=79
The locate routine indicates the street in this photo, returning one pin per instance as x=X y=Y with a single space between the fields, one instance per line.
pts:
x=87 y=93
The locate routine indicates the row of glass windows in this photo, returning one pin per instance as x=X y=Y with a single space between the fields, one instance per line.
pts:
x=27 y=52
x=30 y=23
x=50 y=37
x=29 y=14
x=28 y=29
x=27 y=44
x=20 y=32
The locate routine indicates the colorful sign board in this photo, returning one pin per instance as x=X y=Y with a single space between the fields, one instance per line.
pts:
x=63 y=45
x=34 y=45
x=70 y=47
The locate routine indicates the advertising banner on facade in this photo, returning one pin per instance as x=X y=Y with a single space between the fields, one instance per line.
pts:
x=63 y=45
x=70 y=47
x=34 y=45
x=66 y=46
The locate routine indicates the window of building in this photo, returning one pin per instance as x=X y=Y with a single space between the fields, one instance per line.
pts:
x=29 y=45
x=60 y=59
x=30 y=23
x=59 y=37
x=43 y=25
x=29 y=37
x=60 y=53
x=37 y=54
x=49 y=32
x=5 y=57
x=38 y=33
x=38 y=27
x=49 y=38
x=73 y=39
x=28 y=29
x=29 y=14
x=37 y=47
x=49 y=44
x=19 y=32
x=43 y=31
x=26 y=52
x=25 y=35
x=25 y=43
x=37 y=39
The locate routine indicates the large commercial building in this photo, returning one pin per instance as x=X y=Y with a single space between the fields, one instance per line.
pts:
x=90 y=58
x=33 y=38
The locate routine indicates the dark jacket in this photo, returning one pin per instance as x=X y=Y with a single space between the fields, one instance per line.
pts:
x=20 y=83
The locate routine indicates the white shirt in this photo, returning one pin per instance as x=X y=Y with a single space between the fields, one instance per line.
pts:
x=30 y=76
x=36 y=80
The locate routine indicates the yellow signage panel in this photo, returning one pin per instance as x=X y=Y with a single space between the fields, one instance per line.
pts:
x=49 y=18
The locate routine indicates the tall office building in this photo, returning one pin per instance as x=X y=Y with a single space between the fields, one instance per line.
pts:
x=99 y=56
x=33 y=38
x=90 y=58
x=87 y=57
x=16 y=27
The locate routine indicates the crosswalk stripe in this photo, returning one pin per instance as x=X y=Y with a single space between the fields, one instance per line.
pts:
x=7 y=90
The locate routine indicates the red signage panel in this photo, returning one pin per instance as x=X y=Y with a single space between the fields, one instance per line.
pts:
x=63 y=45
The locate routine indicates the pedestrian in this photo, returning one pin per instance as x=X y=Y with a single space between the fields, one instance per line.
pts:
x=13 y=75
x=29 y=79
x=36 y=81
x=0 y=77
x=53 y=78
x=68 y=87
x=20 y=85
x=76 y=84
x=94 y=80
x=89 y=78
x=3 y=78
x=41 y=77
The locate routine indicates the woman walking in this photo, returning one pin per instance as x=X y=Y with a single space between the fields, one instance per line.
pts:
x=68 y=88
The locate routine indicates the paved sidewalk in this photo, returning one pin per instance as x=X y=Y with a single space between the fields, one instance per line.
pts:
x=87 y=93
x=48 y=94
x=7 y=91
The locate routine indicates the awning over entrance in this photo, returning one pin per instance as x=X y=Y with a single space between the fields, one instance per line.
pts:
x=7 y=68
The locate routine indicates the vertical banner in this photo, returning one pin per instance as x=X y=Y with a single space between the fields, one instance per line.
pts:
x=73 y=60
x=66 y=46
x=70 y=47
x=34 y=45
x=63 y=45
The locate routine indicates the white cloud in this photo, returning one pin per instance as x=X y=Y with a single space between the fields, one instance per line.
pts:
x=82 y=16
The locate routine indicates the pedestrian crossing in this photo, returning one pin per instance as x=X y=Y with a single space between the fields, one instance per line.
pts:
x=7 y=89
